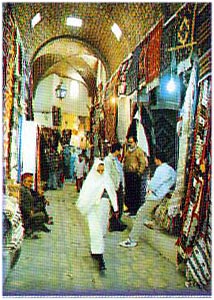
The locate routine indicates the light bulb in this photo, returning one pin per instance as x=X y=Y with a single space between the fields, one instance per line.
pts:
x=171 y=85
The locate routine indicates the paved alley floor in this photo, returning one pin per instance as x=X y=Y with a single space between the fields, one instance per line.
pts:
x=59 y=264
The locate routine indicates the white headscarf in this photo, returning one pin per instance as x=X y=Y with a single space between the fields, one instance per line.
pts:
x=93 y=188
x=141 y=135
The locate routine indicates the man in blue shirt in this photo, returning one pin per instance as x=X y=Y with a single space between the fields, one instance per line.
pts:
x=163 y=180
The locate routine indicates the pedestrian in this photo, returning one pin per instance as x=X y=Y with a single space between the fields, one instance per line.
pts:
x=161 y=183
x=73 y=158
x=115 y=170
x=52 y=183
x=79 y=171
x=93 y=202
x=134 y=165
x=60 y=172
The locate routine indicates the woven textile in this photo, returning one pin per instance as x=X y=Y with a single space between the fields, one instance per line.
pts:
x=170 y=223
x=203 y=29
x=12 y=212
x=196 y=217
x=178 y=36
x=9 y=55
x=132 y=74
x=110 y=110
x=187 y=117
x=122 y=74
x=149 y=57
x=110 y=121
x=153 y=54
x=199 y=264
x=29 y=101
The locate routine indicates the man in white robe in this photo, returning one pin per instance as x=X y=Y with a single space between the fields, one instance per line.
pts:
x=93 y=202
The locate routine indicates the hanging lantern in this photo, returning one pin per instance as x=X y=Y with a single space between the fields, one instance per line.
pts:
x=60 y=91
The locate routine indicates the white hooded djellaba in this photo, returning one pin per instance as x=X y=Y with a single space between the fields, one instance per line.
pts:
x=95 y=206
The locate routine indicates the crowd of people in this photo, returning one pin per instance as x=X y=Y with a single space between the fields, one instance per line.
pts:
x=106 y=191
x=70 y=164
x=113 y=184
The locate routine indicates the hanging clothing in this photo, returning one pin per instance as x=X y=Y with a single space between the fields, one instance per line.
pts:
x=141 y=135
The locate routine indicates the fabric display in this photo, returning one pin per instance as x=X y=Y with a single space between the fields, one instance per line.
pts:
x=110 y=121
x=49 y=138
x=199 y=265
x=187 y=116
x=166 y=219
x=147 y=121
x=38 y=159
x=132 y=74
x=203 y=29
x=110 y=111
x=183 y=24
x=9 y=55
x=132 y=129
x=205 y=64
x=29 y=100
x=56 y=116
x=149 y=58
x=111 y=89
x=14 y=92
x=123 y=117
x=194 y=240
x=13 y=214
x=141 y=135
x=122 y=74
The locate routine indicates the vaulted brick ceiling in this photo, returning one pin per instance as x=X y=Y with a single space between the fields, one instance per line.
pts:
x=54 y=47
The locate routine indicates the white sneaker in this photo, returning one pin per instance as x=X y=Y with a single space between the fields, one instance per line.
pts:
x=132 y=216
x=128 y=243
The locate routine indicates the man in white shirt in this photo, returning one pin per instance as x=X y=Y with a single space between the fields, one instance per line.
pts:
x=79 y=171
x=163 y=180
x=115 y=170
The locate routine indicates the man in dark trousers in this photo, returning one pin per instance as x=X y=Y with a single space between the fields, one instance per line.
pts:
x=32 y=220
x=115 y=170
x=134 y=164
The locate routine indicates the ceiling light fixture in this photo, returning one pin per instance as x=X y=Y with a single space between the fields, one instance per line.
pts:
x=171 y=86
x=117 y=31
x=36 y=19
x=76 y=22
x=60 y=91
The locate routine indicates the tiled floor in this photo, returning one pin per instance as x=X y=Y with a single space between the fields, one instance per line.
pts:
x=59 y=264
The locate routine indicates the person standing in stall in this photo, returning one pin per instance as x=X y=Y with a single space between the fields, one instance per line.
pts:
x=93 y=202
